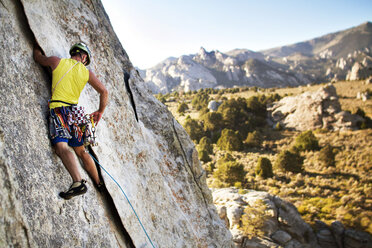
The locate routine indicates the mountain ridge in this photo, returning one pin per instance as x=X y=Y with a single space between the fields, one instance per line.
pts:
x=325 y=58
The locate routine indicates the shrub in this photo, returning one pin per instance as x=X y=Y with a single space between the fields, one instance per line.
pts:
x=253 y=139
x=205 y=143
x=161 y=98
x=360 y=112
x=212 y=121
x=200 y=100
x=229 y=141
x=327 y=156
x=264 y=168
x=253 y=219
x=182 y=107
x=236 y=116
x=306 y=141
x=194 y=129
x=204 y=156
x=228 y=171
x=257 y=105
x=289 y=161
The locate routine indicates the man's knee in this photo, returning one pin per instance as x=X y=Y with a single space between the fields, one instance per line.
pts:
x=61 y=149
x=80 y=152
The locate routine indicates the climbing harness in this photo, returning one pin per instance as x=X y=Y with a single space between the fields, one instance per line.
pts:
x=67 y=121
x=130 y=204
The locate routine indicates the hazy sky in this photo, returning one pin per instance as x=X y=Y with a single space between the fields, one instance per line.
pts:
x=153 y=30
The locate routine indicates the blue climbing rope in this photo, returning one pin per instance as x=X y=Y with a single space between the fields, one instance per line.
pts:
x=125 y=197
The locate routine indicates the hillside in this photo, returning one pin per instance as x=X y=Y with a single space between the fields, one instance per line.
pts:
x=338 y=56
x=320 y=192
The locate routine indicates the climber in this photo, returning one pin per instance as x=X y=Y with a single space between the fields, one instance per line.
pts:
x=69 y=77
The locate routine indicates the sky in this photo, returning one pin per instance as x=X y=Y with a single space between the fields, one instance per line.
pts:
x=153 y=30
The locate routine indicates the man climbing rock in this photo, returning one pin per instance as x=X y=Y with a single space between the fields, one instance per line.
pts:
x=69 y=77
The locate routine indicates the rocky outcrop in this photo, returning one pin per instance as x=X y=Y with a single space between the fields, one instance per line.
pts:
x=337 y=236
x=283 y=225
x=309 y=111
x=359 y=71
x=152 y=158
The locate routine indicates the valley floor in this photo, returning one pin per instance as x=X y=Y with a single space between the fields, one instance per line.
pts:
x=341 y=192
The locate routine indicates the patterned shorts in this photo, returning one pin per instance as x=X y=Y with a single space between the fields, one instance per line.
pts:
x=61 y=129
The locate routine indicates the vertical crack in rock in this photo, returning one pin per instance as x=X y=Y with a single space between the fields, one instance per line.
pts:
x=129 y=91
x=110 y=205
x=2 y=3
x=107 y=199
x=115 y=217
x=190 y=167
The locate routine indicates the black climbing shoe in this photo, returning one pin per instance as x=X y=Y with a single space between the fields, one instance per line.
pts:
x=77 y=188
x=99 y=186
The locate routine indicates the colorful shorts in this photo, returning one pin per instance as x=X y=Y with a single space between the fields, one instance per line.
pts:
x=62 y=130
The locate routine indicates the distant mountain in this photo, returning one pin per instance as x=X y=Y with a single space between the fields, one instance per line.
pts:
x=338 y=56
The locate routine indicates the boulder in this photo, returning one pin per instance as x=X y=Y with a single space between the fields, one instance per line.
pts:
x=358 y=72
x=283 y=225
x=213 y=105
x=281 y=237
x=310 y=111
x=355 y=239
x=368 y=80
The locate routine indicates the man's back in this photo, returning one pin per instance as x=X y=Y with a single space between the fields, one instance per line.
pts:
x=69 y=80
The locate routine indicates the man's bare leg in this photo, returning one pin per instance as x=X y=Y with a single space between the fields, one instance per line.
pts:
x=68 y=160
x=88 y=162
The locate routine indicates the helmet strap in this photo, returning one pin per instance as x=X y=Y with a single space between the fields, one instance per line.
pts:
x=81 y=59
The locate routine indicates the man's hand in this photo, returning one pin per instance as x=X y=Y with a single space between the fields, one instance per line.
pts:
x=96 y=116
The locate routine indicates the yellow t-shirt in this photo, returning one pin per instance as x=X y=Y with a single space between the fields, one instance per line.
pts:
x=71 y=85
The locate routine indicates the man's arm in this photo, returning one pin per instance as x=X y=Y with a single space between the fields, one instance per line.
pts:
x=43 y=60
x=103 y=98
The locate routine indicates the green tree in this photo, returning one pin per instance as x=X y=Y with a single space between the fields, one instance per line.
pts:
x=253 y=139
x=229 y=171
x=204 y=156
x=264 y=168
x=236 y=115
x=289 y=161
x=327 y=156
x=182 y=107
x=306 y=141
x=229 y=141
x=257 y=105
x=200 y=100
x=212 y=121
x=194 y=129
x=206 y=144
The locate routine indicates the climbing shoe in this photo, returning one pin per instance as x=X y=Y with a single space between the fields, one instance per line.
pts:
x=77 y=188
x=99 y=186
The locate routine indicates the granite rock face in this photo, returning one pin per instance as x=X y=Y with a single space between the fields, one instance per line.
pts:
x=312 y=110
x=153 y=159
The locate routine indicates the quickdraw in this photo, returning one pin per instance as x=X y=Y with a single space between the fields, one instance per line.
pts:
x=90 y=132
